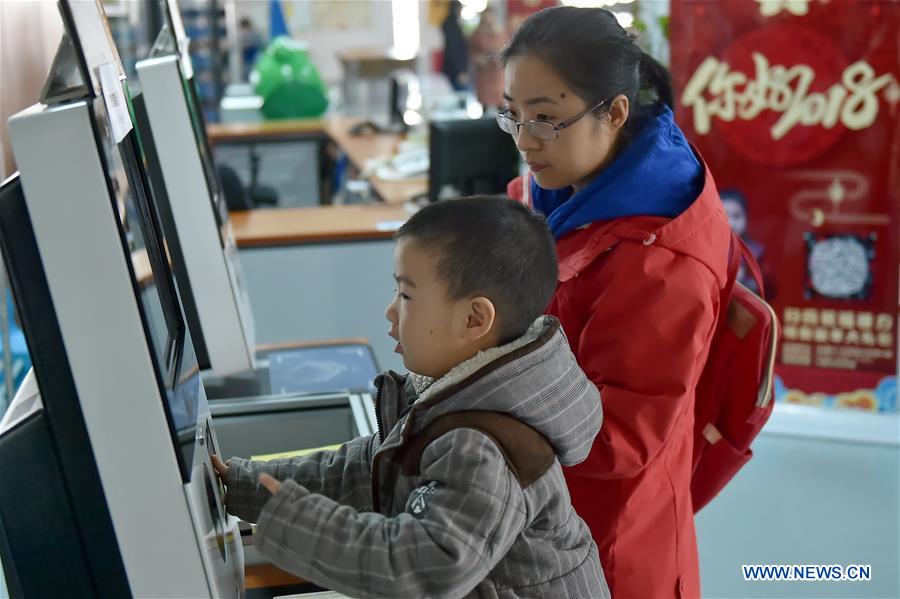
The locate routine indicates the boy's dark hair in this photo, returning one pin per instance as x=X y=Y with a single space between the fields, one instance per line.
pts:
x=494 y=247
x=596 y=57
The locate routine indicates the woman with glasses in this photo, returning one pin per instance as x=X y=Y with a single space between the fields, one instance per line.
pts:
x=642 y=242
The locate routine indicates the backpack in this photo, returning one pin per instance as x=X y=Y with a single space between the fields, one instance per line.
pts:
x=734 y=397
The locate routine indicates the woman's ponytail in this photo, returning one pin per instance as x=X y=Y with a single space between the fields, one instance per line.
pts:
x=656 y=77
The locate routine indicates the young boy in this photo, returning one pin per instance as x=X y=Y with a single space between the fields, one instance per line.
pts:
x=461 y=492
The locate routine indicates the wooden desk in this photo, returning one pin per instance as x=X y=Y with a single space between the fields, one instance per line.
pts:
x=324 y=224
x=268 y=575
x=360 y=148
x=265 y=130
x=374 y=62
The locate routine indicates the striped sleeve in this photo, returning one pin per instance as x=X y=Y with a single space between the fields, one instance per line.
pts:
x=343 y=474
x=446 y=541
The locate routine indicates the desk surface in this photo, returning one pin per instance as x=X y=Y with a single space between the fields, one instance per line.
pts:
x=374 y=53
x=360 y=148
x=264 y=130
x=320 y=224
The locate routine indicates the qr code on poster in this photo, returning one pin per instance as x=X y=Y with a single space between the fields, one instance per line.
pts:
x=839 y=266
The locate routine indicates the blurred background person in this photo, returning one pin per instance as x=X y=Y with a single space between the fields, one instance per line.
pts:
x=456 y=51
x=485 y=44
x=251 y=42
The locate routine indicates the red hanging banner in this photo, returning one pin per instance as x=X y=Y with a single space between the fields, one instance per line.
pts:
x=795 y=105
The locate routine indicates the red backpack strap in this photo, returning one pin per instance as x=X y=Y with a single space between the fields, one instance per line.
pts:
x=735 y=252
x=734 y=262
x=750 y=262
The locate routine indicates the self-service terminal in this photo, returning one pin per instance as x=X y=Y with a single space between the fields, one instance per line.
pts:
x=108 y=489
x=284 y=390
x=191 y=203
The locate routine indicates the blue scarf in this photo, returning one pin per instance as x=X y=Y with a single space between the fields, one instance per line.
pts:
x=656 y=175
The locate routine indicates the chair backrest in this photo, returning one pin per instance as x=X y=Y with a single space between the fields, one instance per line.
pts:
x=236 y=197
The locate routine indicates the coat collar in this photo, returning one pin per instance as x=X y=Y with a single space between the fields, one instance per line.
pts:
x=694 y=232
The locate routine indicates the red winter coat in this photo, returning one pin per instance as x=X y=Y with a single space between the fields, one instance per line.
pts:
x=638 y=298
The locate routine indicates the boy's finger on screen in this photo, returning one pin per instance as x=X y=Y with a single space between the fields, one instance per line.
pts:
x=269 y=483
x=220 y=466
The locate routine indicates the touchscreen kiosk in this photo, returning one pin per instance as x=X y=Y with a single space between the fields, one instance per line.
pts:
x=191 y=204
x=107 y=474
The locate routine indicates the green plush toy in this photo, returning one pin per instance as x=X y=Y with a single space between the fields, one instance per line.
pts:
x=287 y=81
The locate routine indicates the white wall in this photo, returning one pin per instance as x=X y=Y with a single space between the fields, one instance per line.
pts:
x=325 y=43
x=30 y=31
x=808 y=498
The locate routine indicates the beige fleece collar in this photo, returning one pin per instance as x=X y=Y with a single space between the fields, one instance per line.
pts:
x=426 y=386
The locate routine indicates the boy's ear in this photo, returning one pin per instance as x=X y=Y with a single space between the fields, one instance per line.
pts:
x=480 y=318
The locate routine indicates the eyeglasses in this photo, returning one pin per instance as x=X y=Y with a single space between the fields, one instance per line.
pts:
x=543 y=130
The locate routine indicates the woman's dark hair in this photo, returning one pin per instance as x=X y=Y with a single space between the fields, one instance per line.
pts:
x=596 y=57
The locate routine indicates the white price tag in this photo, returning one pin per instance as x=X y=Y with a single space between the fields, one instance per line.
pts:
x=114 y=98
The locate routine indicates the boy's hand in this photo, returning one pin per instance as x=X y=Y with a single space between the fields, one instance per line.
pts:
x=266 y=480
x=220 y=467
x=269 y=482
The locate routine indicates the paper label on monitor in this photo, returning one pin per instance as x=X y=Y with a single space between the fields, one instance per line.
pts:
x=114 y=98
x=187 y=67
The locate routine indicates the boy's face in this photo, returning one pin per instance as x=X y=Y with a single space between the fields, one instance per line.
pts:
x=434 y=333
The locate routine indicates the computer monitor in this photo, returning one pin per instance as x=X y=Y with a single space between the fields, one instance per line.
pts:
x=122 y=406
x=172 y=40
x=405 y=95
x=173 y=243
x=143 y=236
x=170 y=339
x=472 y=155
x=40 y=520
x=198 y=126
x=189 y=197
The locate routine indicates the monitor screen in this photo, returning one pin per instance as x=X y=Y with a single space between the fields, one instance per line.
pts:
x=142 y=236
x=161 y=201
x=144 y=241
x=176 y=34
x=198 y=123
x=490 y=161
